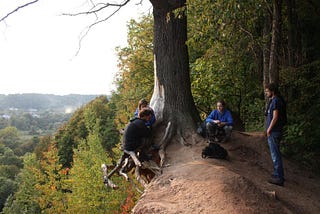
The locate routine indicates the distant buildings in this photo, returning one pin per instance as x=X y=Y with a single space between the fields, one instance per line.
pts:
x=5 y=116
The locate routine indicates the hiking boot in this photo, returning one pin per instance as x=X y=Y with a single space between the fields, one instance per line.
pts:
x=276 y=181
x=216 y=139
x=155 y=147
x=275 y=177
x=224 y=140
x=211 y=140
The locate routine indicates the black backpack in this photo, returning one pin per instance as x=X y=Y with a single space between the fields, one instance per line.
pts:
x=214 y=150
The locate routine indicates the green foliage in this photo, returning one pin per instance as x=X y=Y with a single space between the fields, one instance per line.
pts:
x=89 y=195
x=225 y=45
x=99 y=119
x=135 y=79
x=95 y=117
x=51 y=182
x=9 y=137
x=7 y=157
x=222 y=59
x=9 y=171
x=45 y=184
x=43 y=101
x=301 y=89
x=7 y=187
x=10 y=166
x=25 y=199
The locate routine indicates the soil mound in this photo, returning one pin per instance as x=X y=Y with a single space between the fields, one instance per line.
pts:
x=191 y=184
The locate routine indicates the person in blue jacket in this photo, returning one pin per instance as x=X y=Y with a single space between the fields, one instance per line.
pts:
x=144 y=104
x=219 y=119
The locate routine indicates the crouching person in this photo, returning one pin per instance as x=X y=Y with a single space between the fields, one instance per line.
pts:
x=137 y=131
x=219 y=124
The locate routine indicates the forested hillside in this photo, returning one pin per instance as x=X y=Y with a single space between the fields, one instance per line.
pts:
x=26 y=121
x=234 y=49
x=43 y=101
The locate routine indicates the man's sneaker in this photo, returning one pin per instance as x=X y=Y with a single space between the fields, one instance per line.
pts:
x=155 y=147
x=275 y=177
x=276 y=181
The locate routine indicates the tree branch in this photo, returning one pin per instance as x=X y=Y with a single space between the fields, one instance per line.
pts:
x=96 y=8
x=18 y=8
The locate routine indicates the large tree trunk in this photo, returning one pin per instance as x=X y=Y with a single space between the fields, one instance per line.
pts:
x=172 y=99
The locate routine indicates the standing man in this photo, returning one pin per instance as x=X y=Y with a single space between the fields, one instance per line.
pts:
x=219 y=119
x=275 y=121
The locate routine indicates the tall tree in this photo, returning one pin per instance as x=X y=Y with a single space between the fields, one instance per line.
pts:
x=275 y=42
x=172 y=99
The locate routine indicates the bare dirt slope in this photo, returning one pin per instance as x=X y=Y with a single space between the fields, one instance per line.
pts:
x=190 y=184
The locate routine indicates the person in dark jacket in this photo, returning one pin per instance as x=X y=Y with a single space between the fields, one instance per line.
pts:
x=137 y=130
x=219 y=119
x=275 y=121
x=143 y=103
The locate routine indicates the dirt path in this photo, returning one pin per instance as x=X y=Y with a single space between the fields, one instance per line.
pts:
x=190 y=184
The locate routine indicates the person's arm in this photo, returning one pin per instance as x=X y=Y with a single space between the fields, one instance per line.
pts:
x=273 y=121
x=136 y=113
x=210 y=118
x=229 y=118
x=153 y=120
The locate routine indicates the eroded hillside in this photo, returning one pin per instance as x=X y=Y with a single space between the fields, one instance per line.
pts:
x=190 y=184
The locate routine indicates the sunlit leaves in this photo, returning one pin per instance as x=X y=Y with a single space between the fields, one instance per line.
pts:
x=135 y=79
x=222 y=36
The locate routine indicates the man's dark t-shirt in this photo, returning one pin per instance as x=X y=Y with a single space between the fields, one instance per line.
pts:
x=134 y=134
x=276 y=104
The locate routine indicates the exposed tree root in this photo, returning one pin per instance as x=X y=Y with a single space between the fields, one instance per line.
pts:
x=127 y=162
x=107 y=182
x=164 y=142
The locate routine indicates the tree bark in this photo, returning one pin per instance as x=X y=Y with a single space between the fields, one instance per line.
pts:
x=266 y=50
x=275 y=41
x=294 y=37
x=172 y=99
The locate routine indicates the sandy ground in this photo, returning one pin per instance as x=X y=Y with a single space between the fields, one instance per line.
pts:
x=191 y=184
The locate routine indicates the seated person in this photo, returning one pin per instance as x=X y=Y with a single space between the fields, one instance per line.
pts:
x=219 y=120
x=136 y=132
x=144 y=104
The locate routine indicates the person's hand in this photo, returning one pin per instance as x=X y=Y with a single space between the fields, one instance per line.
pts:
x=220 y=124
x=268 y=132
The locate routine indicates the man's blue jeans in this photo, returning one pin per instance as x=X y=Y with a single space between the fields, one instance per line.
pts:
x=274 y=146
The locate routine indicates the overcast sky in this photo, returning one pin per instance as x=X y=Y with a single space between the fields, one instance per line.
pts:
x=38 y=47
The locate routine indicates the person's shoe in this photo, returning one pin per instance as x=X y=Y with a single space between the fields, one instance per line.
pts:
x=275 y=181
x=224 y=140
x=155 y=147
x=275 y=177
x=211 y=140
